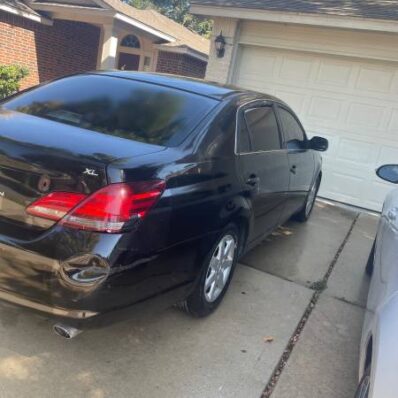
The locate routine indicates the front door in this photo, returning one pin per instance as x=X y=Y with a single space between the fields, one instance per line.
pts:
x=301 y=161
x=128 y=61
x=264 y=167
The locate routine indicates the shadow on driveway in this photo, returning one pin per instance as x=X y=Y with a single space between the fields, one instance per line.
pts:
x=172 y=355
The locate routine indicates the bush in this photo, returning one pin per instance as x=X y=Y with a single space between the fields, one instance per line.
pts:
x=10 y=77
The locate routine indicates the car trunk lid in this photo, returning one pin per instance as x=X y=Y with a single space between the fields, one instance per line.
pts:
x=39 y=156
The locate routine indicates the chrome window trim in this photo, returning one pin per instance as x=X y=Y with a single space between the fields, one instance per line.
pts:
x=257 y=152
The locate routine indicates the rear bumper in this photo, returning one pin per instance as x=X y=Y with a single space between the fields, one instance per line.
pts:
x=46 y=309
x=31 y=277
x=85 y=320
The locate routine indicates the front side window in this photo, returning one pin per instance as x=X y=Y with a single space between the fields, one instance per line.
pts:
x=263 y=128
x=294 y=134
x=129 y=109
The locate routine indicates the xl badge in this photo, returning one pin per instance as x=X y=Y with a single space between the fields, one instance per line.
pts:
x=90 y=172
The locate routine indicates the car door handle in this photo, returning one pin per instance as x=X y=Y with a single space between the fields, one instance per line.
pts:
x=293 y=169
x=253 y=180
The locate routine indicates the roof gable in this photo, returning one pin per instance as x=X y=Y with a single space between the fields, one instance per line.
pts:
x=372 y=9
x=169 y=31
x=182 y=35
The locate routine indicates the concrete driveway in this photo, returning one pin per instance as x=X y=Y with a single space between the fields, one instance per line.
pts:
x=236 y=352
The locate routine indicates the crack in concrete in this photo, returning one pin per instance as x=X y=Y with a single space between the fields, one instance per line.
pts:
x=276 y=275
x=346 y=301
x=270 y=387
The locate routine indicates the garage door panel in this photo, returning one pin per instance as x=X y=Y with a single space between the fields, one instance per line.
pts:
x=337 y=112
x=325 y=108
x=365 y=116
x=375 y=79
x=395 y=84
x=352 y=154
x=253 y=84
x=357 y=197
x=379 y=192
x=334 y=73
x=296 y=100
x=393 y=124
x=341 y=187
x=330 y=74
x=297 y=69
x=263 y=69
x=387 y=154
x=352 y=102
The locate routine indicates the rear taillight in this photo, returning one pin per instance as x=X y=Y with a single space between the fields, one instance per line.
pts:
x=55 y=205
x=108 y=210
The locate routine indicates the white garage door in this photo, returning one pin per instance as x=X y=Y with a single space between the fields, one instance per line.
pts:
x=352 y=102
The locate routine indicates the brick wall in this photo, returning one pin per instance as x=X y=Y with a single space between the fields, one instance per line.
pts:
x=47 y=51
x=180 y=64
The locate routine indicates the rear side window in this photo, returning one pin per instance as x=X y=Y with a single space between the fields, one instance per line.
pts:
x=263 y=129
x=294 y=134
x=124 y=108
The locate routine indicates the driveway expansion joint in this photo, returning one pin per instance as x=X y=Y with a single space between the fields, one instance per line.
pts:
x=270 y=387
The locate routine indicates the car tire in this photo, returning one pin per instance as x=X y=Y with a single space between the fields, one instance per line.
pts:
x=217 y=270
x=364 y=385
x=304 y=214
x=371 y=261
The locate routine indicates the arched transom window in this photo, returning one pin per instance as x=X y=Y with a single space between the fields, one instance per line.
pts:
x=131 y=41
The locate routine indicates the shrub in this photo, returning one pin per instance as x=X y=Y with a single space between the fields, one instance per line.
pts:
x=10 y=77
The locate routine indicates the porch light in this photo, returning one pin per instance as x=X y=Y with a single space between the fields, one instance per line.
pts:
x=220 y=45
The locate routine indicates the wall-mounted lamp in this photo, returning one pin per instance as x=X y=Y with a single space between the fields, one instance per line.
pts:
x=220 y=45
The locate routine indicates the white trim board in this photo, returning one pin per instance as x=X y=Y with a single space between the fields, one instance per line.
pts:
x=27 y=15
x=145 y=28
x=332 y=21
x=181 y=50
x=92 y=12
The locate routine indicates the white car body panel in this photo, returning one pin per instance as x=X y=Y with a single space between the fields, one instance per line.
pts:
x=381 y=320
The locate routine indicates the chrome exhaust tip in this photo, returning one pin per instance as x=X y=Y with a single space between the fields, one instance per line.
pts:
x=65 y=331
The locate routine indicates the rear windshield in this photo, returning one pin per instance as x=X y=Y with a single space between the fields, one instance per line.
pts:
x=124 y=108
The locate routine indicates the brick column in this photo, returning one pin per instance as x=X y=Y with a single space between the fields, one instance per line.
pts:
x=220 y=69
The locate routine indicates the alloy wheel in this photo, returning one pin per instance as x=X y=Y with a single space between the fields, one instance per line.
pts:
x=311 y=199
x=220 y=267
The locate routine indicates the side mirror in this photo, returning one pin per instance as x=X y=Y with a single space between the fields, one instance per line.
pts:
x=388 y=173
x=318 y=144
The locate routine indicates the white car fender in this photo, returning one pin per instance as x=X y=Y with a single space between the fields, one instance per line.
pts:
x=384 y=368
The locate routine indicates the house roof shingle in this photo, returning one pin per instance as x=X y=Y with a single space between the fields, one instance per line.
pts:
x=19 y=5
x=184 y=37
x=373 y=9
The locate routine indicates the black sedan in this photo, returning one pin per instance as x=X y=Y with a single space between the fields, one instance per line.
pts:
x=119 y=187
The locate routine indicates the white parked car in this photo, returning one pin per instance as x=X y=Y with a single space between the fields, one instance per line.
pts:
x=379 y=345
